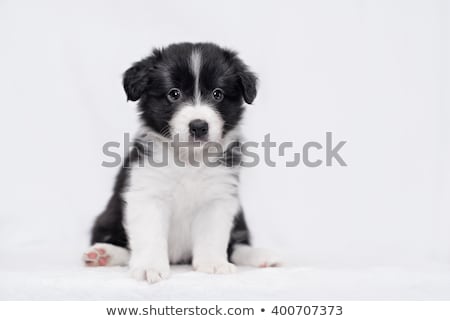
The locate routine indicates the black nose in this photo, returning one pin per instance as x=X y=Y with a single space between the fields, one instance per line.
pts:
x=198 y=128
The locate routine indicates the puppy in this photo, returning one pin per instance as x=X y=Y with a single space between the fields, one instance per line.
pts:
x=181 y=212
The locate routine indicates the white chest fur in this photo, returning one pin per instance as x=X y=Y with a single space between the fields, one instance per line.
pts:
x=183 y=192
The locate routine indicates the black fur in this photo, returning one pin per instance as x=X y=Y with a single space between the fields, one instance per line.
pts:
x=148 y=81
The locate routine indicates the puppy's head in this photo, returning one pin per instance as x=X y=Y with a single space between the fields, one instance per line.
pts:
x=195 y=91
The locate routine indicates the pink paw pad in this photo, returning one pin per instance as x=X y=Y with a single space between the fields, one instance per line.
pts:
x=96 y=257
x=92 y=255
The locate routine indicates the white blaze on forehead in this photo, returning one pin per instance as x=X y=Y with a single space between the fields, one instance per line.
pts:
x=195 y=64
x=180 y=121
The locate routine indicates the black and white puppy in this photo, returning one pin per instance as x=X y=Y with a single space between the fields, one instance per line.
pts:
x=159 y=215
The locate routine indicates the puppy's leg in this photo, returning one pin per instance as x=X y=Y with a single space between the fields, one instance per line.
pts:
x=104 y=254
x=210 y=235
x=147 y=222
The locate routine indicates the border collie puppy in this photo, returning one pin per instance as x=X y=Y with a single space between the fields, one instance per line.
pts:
x=181 y=212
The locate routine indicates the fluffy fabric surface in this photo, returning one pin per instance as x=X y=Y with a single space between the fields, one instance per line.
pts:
x=29 y=272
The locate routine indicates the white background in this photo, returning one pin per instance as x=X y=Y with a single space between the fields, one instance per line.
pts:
x=375 y=73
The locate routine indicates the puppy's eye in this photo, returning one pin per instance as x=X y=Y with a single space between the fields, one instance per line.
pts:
x=173 y=95
x=217 y=94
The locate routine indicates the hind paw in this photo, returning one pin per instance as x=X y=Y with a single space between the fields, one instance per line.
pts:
x=265 y=258
x=105 y=254
x=257 y=257
x=96 y=256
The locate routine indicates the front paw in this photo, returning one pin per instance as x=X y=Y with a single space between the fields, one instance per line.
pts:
x=217 y=267
x=150 y=274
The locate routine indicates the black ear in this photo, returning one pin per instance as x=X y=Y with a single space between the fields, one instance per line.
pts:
x=248 y=82
x=136 y=79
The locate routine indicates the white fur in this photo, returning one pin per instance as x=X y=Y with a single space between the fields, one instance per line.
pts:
x=195 y=64
x=257 y=257
x=173 y=213
x=179 y=123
